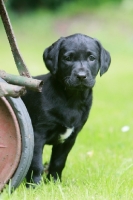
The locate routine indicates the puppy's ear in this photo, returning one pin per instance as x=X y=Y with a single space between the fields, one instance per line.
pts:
x=50 y=56
x=105 y=59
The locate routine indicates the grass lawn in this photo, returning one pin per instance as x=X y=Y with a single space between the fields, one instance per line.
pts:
x=100 y=166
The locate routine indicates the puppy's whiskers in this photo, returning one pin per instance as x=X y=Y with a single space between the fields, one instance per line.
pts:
x=67 y=80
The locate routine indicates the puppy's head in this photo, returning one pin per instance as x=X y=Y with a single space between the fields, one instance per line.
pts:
x=75 y=60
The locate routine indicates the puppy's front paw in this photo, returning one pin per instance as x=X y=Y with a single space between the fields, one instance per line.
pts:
x=35 y=180
x=54 y=177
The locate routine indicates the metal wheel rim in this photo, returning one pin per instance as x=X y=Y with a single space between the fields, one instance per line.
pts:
x=10 y=142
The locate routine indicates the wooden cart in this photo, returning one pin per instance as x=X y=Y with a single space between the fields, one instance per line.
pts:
x=16 y=132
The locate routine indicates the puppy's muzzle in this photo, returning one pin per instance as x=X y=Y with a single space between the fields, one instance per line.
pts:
x=81 y=76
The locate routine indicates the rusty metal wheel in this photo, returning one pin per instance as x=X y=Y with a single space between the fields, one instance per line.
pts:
x=16 y=141
x=10 y=142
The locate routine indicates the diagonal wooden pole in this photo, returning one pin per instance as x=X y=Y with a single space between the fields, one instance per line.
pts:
x=23 y=70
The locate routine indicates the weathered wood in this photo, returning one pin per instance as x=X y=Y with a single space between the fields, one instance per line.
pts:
x=11 y=90
x=23 y=70
x=29 y=83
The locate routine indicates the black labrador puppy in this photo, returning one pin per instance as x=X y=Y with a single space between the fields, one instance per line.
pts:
x=59 y=113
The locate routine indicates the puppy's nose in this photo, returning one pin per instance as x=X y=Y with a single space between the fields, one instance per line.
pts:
x=81 y=76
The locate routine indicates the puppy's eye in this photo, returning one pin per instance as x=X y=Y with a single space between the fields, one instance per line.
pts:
x=91 y=58
x=68 y=58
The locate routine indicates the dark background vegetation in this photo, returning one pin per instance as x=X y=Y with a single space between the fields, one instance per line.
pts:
x=52 y=4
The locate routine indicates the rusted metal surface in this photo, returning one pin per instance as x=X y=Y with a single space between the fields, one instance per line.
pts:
x=29 y=83
x=10 y=142
x=23 y=71
x=11 y=90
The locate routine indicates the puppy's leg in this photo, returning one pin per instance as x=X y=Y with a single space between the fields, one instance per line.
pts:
x=58 y=159
x=36 y=169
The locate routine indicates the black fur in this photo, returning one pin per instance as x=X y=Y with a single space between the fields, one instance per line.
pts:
x=66 y=98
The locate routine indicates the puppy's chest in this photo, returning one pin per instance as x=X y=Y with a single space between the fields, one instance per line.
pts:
x=68 y=132
x=67 y=120
x=71 y=120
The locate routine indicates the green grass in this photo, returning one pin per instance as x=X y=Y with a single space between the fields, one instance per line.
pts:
x=100 y=166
